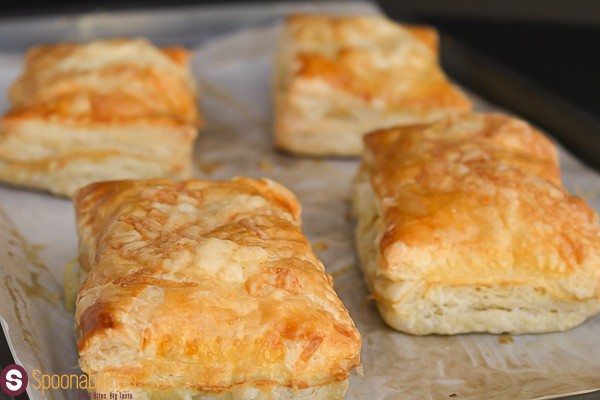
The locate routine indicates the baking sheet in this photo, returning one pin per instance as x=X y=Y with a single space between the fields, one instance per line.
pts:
x=234 y=73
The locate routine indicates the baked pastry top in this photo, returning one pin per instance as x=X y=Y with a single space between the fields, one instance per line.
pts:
x=352 y=74
x=374 y=59
x=106 y=81
x=108 y=109
x=474 y=206
x=204 y=287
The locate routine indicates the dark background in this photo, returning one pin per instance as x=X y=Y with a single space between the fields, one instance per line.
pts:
x=538 y=59
x=553 y=43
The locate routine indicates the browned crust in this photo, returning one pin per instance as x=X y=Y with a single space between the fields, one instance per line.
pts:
x=282 y=316
x=477 y=199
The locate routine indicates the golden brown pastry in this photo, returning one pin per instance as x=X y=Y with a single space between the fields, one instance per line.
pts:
x=464 y=226
x=338 y=77
x=109 y=109
x=207 y=290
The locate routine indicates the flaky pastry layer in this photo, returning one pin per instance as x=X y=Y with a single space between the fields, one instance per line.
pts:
x=464 y=226
x=338 y=77
x=108 y=109
x=206 y=287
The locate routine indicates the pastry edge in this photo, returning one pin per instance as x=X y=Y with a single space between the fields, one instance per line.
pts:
x=332 y=134
x=331 y=391
x=64 y=170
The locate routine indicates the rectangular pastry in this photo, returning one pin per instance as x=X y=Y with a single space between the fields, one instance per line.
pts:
x=338 y=77
x=464 y=226
x=209 y=290
x=108 y=109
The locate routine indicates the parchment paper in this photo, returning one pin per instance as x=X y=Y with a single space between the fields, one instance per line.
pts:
x=234 y=73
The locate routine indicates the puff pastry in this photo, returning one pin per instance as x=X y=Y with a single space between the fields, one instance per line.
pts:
x=464 y=226
x=338 y=77
x=108 y=109
x=207 y=290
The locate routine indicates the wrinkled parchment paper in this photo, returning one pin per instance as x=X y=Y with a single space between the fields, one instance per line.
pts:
x=233 y=73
